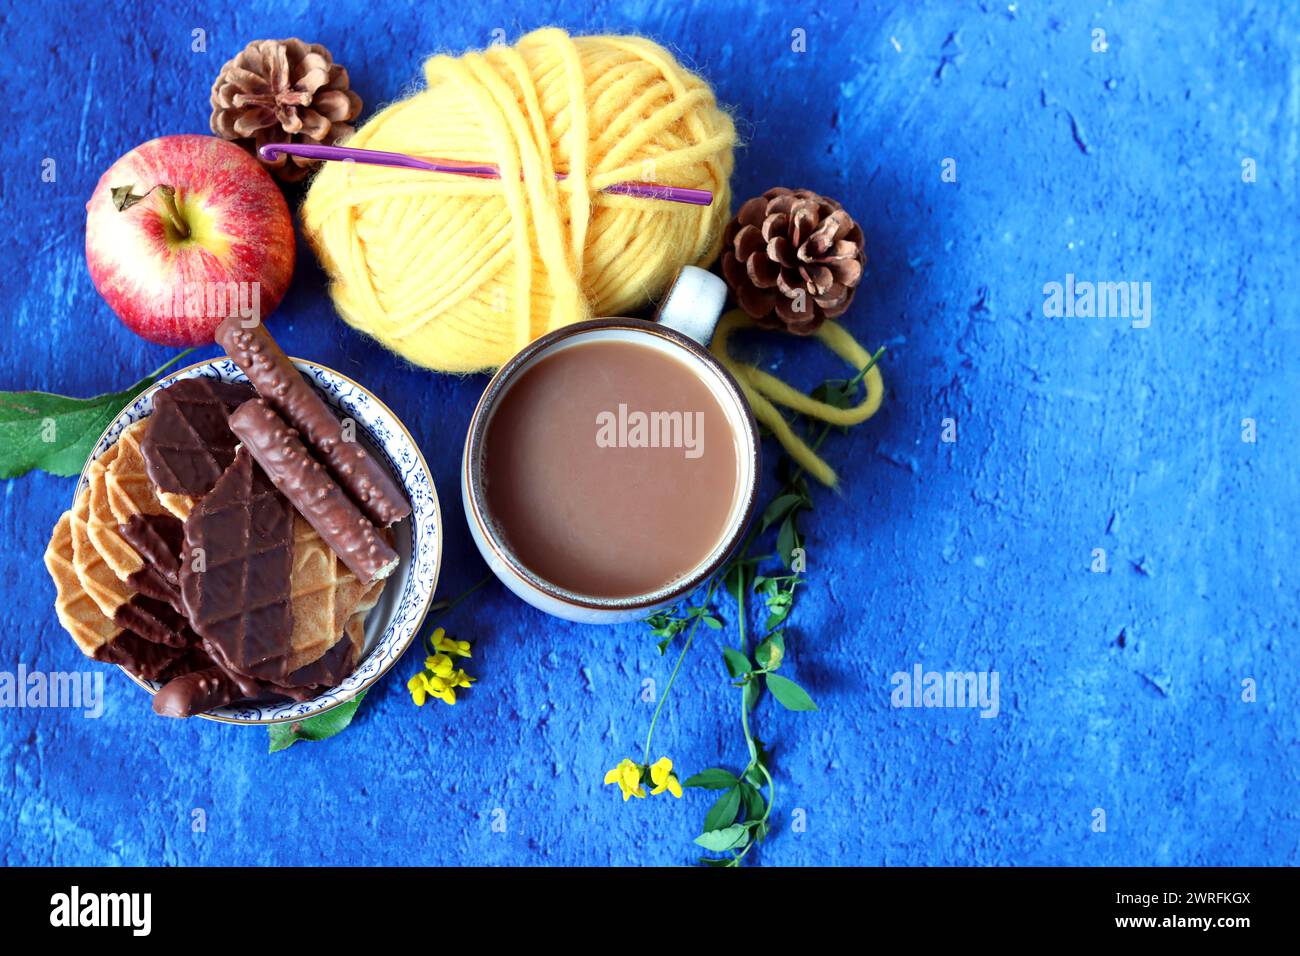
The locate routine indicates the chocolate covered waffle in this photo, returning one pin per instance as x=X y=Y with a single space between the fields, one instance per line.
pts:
x=153 y=613
x=97 y=635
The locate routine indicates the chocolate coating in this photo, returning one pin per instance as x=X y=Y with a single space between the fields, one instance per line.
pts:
x=366 y=480
x=158 y=540
x=330 y=670
x=311 y=489
x=187 y=443
x=155 y=612
x=236 y=567
x=195 y=692
x=144 y=658
x=155 y=621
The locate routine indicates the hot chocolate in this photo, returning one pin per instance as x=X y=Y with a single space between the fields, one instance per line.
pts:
x=611 y=468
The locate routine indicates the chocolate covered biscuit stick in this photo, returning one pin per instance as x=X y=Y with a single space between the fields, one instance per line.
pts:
x=308 y=486
x=195 y=692
x=283 y=387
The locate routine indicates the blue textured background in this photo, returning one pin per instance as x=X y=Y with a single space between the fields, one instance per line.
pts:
x=1073 y=434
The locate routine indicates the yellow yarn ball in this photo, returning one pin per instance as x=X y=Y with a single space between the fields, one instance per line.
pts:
x=457 y=273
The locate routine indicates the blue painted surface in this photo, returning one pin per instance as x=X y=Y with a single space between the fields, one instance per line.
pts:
x=1073 y=434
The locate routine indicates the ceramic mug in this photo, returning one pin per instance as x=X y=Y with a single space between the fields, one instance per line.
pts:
x=683 y=327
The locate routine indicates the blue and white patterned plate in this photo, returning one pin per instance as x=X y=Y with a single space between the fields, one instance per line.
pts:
x=394 y=622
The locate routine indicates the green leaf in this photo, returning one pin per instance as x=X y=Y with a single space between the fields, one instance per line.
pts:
x=771 y=652
x=737 y=663
x=319 y=727
x=780 y=601
x=723 y=812
x=728 y=838
x=839 y=393
x=753 y=802
x=717 y=861
x=663 y=625
x=56 y=433
x=779 y=606
x=789 y=694
x=778 y=509
x=714 y=778
x=787 y=539
x=711 y=622
x=753 y=691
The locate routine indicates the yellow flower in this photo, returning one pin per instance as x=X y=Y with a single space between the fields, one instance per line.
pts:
x=628 y=777
x=661 y=772
x=418 y=691
x=440 y=688
x=440 y=664
x=446 y=645
x=440 y=676
x=439 y=679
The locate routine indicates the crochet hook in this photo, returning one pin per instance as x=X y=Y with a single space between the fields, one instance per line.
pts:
x=375 y=157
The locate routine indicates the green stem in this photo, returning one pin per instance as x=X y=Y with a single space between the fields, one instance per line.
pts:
x=439 y=608
x=690 y=637
x=744 y=725
x=862 y=372
x=771 y=793
x=826 y=427
x=740 y=610
x=157 y=373
x=767 y=810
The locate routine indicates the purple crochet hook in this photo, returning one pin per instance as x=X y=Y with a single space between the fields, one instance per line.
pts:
x=375 y=157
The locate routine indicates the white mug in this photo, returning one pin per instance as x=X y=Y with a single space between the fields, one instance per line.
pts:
x=683 y=328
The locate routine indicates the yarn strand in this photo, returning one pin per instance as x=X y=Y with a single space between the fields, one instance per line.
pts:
x=765 y=391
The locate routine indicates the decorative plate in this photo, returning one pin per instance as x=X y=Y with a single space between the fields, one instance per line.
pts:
x=393 y=623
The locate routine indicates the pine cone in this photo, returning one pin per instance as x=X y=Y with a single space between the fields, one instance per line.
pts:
x=283 y=91
x=793 y=259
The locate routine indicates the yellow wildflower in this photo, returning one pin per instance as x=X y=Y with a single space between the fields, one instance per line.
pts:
x=446 y=645
x=628 y=777
x=440 y=664
x=417 y=688
x=440 y=676
x=440 y=688
x=661 y=772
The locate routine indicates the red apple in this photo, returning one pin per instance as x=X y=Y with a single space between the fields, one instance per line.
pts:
x=185 y=230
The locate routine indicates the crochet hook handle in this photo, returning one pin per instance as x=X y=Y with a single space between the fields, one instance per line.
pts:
x=375 y=157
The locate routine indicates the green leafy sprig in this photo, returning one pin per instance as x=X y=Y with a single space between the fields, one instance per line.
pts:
x=739 y=818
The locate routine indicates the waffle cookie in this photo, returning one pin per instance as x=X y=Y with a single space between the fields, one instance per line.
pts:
x=118 y=489
x=236 y=568
x=152 y=617
x=188 y=444
x=98 y=636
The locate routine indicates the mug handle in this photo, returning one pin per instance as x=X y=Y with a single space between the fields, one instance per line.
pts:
x=693 y=304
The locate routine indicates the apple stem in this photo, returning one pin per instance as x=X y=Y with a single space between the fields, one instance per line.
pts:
x=124 y=197
x=173 y=213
